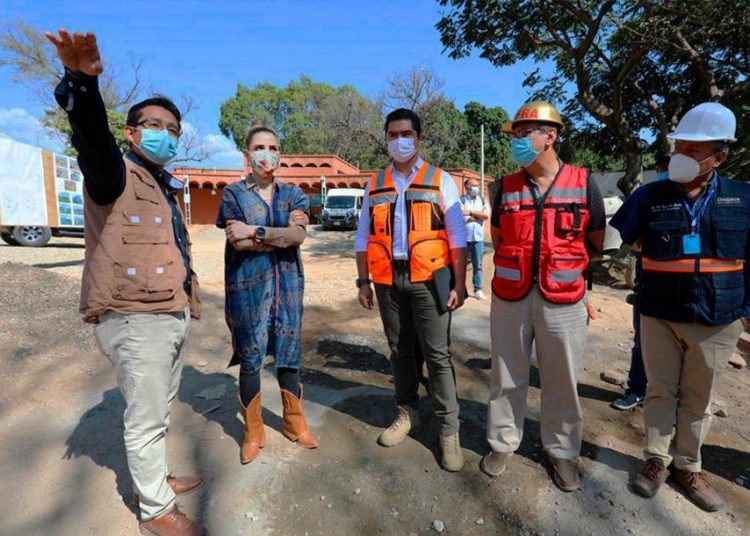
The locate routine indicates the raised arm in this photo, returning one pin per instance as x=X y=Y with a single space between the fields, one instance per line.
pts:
x=99 y=157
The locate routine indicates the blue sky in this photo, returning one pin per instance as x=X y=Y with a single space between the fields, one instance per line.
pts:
x=204 y=48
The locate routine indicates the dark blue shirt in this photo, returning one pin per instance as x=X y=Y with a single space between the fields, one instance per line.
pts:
x=657 y=214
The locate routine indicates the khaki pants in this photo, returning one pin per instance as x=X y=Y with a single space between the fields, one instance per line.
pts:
x=147 y=352
x=683 y=362
x=559 y=332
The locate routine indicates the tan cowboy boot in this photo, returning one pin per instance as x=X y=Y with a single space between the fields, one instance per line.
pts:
x=295 y=426
x=255 y=433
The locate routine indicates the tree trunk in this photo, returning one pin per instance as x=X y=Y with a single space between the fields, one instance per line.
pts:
x=631 y=145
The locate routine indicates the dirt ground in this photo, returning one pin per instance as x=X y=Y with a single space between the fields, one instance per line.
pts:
x=62 y=462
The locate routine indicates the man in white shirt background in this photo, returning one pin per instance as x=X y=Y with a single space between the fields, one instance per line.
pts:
x=475 y=213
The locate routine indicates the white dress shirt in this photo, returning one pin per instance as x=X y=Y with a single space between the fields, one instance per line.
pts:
x=450 y=204
x=474 y=228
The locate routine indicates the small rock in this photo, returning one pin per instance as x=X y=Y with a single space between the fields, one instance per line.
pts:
x=394 y=512
x=438 y=525
x=737 y=360
x=613 y=378
x=718 y=409
x=357 y=491
x=322 y=497
x=251 y=516
x=329 y=505
x=480 y=521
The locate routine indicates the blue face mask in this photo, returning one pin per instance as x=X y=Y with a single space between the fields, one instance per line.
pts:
x=662 y=175
x=158 y=146
x=522 y=151
x=474 y=191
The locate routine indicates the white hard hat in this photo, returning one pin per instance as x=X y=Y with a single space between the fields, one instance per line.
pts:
x=709 y=121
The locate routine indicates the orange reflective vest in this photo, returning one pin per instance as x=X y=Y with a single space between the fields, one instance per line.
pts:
x=427 y=238
x=542 y=242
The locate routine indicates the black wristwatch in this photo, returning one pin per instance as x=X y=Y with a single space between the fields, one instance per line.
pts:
x=361 y=282
x=260 y=234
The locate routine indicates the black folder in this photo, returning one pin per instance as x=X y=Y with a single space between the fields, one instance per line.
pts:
x=444 y=283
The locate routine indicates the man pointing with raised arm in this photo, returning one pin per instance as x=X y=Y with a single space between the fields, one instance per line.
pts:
x=138 y=287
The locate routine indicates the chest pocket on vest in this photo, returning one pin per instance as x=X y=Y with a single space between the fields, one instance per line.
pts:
x=730 y=233
x=663 y=240
x=149 y=283
x=146 y=192
x=144 y=228
x=569 y=221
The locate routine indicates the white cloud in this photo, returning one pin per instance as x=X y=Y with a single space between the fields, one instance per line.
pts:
x=224 y=154
x=20 y=125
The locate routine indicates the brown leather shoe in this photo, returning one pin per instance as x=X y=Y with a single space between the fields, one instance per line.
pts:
x=652 y=476
x=171 y=523
x=295 y=425
x=255 y=432
x=179 y=484
x=564 y=473
x=699 y=490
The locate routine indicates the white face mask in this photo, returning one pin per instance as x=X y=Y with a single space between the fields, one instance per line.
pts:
x=684 y=169
x=402 y=149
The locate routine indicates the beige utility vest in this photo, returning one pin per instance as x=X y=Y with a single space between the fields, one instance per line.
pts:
x=133 y=264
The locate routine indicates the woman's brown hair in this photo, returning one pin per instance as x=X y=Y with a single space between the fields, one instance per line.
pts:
x=257 y=126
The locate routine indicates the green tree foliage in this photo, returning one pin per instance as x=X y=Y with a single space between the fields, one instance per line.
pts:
x=309 y=117
x=314 y=118
x=619 y=67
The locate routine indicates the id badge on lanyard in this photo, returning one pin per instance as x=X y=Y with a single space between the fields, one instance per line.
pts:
x=691 y=243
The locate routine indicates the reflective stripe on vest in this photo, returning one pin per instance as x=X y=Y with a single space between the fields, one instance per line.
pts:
x=697 y=265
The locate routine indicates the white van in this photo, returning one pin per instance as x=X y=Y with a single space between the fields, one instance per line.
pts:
x=342 y=208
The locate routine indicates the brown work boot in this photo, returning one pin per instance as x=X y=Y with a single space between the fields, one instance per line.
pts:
x=699 y=490
x=493 y=463
x=255 y=432
x=179 y=484
x=407 y=421
x=564 y=473
x=453 y=457
x=652 y=476
x=171 y=523
x=295 y=426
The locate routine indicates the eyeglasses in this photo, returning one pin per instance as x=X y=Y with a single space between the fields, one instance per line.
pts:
x=157 y=124
x=525 y=132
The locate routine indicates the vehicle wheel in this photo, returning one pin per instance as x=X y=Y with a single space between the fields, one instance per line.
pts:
x=8 y=239
x=31 y=235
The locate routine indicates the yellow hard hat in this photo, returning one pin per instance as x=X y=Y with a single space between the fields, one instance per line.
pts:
x=537 y=111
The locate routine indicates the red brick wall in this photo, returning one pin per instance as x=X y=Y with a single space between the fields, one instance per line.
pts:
x=203 y=206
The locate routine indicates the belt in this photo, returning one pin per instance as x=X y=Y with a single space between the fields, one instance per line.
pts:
x=400 y=264
x=689 y=266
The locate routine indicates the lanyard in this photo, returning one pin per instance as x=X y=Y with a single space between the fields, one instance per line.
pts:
x=696 y=212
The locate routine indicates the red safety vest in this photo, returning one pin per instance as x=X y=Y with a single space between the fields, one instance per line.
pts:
x=427 y=238
x=549 y=237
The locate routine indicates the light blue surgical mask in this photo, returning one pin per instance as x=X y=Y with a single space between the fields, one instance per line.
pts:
x=158 y=146
x=522 y=151
x=662 y=175
x=474 y=191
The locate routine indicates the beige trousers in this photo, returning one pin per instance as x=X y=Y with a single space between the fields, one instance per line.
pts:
x=559 y=333
x=147 y=353
x=683 y=362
